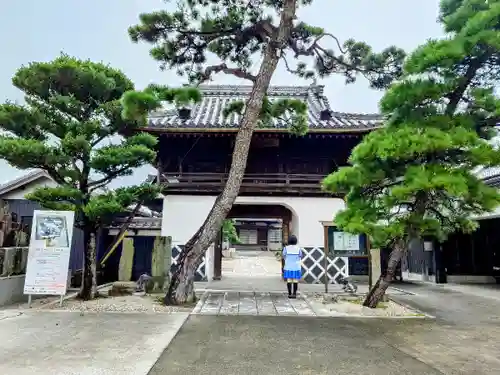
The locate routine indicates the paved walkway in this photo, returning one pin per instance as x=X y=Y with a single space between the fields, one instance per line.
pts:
x=256 y=345
x=463 y=340
x=68 y=343
x=476 y=306
x=251 y=263
x=248 y=303
x=260 y=331
x=260 y=272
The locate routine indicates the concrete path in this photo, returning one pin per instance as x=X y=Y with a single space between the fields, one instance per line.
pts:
x=453 y=304
x=463 y=340
x=251 y=263
x=245 y=345
x=260 y=272
x=66 y=343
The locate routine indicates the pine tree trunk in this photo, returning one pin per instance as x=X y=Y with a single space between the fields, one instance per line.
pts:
x=93 y=264
x=88 y=287
x=181 y=288
x=377 y=292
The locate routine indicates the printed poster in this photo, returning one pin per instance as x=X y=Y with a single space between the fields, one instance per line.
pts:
x=343 y=241
x=345 y=244
x=49 y=252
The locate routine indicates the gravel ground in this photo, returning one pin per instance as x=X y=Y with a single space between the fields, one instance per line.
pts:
x=134 y=303
x=325 y=306
x=37 y=303
x=129 y=303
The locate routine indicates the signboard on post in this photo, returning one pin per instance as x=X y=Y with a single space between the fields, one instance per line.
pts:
x=49 y=251
x=343 y=244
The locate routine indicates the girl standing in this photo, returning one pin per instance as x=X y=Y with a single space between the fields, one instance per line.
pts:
x=292 y=271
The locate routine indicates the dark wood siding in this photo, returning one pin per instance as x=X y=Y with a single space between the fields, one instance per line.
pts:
x=268 y=154
x=473 y=254
x=276 y=163
x=22 y=207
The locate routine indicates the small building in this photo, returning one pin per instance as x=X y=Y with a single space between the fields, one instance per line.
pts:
x=283 y=175
x=463 y=257
x=13 y=193
x=261 y=234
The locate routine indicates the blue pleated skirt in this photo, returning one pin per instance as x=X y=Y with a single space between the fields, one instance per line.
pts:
x=292 y=274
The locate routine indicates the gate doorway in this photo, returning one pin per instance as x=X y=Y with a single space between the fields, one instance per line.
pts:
x=262 y=229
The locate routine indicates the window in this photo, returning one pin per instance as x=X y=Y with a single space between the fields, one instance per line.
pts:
x=248 y=236
x=275 y=235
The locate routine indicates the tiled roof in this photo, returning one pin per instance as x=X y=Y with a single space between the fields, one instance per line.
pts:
x=37 y=174
x=208 y=114
x=151 y=223
x=490 y=176
x=487 y=173
x=27 y=178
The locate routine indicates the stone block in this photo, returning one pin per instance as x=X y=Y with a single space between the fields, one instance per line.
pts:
x=126 y=260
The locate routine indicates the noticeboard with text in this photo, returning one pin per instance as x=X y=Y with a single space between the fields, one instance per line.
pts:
x=343 y=244
x=49 y=252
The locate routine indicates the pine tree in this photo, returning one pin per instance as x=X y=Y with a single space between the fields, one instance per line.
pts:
x=237 y=33
x=414 y=177
x=72 y=108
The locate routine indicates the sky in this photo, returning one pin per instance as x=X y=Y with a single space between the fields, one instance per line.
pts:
x=34 y=30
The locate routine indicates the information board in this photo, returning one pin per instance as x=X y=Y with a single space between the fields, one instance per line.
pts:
x=345 y=244
x=343 y=241
x=49 y=252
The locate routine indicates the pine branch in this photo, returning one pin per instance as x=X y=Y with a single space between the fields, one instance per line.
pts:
x=214 y=69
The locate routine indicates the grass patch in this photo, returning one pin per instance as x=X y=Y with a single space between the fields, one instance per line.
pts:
x=359 y=301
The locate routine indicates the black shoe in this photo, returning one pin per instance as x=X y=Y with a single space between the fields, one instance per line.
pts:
x=293 y=296
x=290 y=296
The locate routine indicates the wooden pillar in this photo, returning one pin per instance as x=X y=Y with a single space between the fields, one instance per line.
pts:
x=286 y=226
x=439 y=264
x=167 y=261
x=286 y=233
x=159 y=163
x=218 y=257
x=326 y=246
x=375 y=266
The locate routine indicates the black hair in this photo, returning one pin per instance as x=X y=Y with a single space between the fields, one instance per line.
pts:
x=292 y=240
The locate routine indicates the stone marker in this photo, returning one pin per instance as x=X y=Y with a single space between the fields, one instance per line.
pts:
x=126 y=260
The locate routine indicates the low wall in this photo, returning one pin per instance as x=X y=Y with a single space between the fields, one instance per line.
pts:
x=11 y=289
x=203 y=272
x=313 y=266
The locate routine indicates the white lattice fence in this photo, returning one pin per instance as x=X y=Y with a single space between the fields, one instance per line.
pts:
x=313 y=266
x=201 y=274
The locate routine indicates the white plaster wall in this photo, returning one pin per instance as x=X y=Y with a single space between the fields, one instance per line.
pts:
x=184 y=214
x=29 y=188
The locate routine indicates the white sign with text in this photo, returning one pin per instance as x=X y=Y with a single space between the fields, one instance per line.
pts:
x=343 y=241
x=49 y=252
